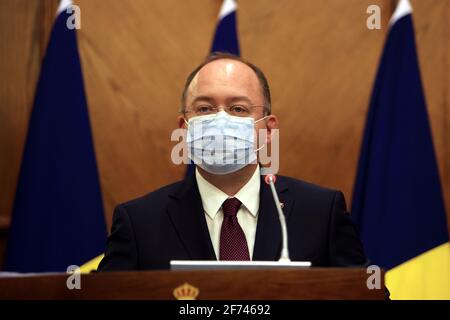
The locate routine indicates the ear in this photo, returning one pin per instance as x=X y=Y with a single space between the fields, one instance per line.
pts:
x=181 y=122
x=271 y=123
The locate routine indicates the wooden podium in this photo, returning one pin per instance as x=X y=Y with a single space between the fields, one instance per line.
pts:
x=271 y=284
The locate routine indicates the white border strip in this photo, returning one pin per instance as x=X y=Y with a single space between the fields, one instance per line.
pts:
x=403 y=8
x=63 y=5
x=233 y=265
x=228 y=6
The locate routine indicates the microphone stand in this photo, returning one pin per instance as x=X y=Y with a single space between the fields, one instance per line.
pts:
x=284 y=257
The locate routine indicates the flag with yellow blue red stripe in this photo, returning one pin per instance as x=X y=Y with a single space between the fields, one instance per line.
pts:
x=397 y=200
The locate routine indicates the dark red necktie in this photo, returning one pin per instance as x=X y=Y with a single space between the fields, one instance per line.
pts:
x=233 y=245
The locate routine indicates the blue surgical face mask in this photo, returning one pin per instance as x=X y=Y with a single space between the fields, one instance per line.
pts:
x=220 y=143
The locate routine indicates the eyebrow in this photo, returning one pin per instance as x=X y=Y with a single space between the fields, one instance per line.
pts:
x=202 y=98
x=231 y=100
x=240 y=98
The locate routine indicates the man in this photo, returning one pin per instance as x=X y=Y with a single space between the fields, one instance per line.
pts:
x=224 y=210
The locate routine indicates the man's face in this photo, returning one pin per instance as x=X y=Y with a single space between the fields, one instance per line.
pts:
x=224 y=83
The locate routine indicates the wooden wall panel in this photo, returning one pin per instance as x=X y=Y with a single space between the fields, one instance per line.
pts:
x=321 y=61
x=20 y=37
x=446 y=106
x=318 y=55
x=136 y=56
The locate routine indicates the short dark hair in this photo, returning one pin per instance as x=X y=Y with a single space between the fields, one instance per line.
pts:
x=221 y=55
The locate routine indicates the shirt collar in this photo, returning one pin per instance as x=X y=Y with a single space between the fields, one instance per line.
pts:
x=213 y=197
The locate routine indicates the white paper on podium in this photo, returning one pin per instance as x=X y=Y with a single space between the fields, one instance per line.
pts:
x=191 y=265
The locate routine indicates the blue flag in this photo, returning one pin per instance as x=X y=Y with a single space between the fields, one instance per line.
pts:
x=225 y=38
x=397 y=200
x=58 y=217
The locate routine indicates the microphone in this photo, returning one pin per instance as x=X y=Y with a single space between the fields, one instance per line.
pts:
x=270 y=180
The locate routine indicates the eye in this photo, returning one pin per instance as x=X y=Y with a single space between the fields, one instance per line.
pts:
x=204 y=108
x=239 y=109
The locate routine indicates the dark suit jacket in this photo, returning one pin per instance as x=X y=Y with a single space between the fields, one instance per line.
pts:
x=169 y=224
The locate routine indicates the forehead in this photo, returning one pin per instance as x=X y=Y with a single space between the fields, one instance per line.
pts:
x=225 y=78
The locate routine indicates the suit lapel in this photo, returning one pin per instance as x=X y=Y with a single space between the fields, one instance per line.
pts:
x=187 y=215
x=268 y=231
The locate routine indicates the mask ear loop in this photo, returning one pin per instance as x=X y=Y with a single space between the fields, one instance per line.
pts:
x=256 y=150
x=261 y=119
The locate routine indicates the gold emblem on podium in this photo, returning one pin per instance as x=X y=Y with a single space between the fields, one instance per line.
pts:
x=186 y=292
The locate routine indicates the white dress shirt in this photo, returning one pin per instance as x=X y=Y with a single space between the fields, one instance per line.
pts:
x=212 y=200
